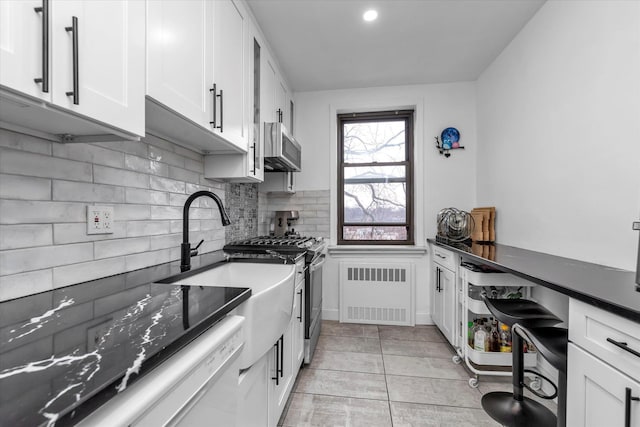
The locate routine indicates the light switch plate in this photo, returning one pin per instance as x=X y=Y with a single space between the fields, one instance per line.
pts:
x=99 y=219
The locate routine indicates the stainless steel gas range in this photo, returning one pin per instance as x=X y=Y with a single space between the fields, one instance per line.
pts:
x=289 y=249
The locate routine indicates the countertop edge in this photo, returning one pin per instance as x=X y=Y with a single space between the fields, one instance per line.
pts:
x=73 y=416
x=589 y=299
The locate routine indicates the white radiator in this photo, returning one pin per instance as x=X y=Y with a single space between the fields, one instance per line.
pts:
x=377 y=292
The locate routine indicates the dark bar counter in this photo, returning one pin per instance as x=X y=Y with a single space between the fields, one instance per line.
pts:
x=608 y=288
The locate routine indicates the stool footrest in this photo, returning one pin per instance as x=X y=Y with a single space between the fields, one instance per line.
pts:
x=541 y=395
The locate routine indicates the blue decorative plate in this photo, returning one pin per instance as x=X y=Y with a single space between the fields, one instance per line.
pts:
x=449 y=137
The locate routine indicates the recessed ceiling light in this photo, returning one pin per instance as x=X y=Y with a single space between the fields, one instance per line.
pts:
x=370 y=15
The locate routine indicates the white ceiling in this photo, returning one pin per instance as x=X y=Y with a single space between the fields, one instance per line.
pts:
x=325 y=44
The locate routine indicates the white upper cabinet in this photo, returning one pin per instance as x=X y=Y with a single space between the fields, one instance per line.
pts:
x=268 y=90
x=197 y=70
x=85 y=59
x=231 y=71
x=282 y=110
x=22 y=46
x=180 y=57
x=246 y=122
x=102 y=75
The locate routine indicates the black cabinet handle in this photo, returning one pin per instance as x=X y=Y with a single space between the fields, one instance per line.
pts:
x=76 y=72
x=221 y=111
x=213 y=91
x=279 y=112
x=282 y=356
x=277 y=346
x=45 y=46
x=438 y=287
x=253 y=170
x=300 y=317
x=628 y=398
x=624 y=346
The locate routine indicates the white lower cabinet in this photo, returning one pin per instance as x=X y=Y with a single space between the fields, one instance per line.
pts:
x=444 y=288
x=599 y=395
x=253 y=405
x=265 y=387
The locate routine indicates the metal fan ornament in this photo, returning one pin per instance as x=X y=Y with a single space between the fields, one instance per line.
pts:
x=455 y=225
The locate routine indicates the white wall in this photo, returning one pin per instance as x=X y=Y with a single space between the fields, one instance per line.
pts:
x=440 y=182
x=559 y=133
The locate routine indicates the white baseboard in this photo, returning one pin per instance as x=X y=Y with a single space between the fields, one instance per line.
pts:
x=424 y=319
x=330 y=314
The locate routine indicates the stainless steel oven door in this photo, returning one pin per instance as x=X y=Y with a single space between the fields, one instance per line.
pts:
x=313 y=315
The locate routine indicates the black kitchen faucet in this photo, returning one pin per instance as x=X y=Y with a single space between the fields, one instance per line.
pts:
x=187 y=252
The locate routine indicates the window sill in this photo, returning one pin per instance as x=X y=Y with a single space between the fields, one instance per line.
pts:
x=350 y=250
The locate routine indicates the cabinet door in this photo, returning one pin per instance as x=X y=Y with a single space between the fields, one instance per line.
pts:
x=109 y=65
x=278 y=393
x=267 y=91
x=282 y=109
x=252 y=396
x=230 y=71
x=597 y=393
x=444 y=301
x=21 y=47
x=180 y=57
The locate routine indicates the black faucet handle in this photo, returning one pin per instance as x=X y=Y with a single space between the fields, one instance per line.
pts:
x=194 y=251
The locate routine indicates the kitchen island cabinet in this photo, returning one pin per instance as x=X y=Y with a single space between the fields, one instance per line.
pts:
x=77 y=67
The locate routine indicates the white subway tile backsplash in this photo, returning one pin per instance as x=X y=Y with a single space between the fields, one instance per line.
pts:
x=70 y=191
x=37 y=212
x=194 y=165
x=143 y=165
x=166 y=212
x=167 y=184
x=82 y=272
x=106 y=175
x=77 y=232
x=131 y=212
x=38 y=165
x=24 y=142
x=164 y=156
x=23 y=260
x=148 y=197
x=188 y=154
x=32 y=282
x=137 y=148
x=146 y=259
x=167 y=241
x=45 y=188
x=25 y=236
x=147 y=228
x=183 y=175
x=89 y=153
x=24 y=187
x=119 y=247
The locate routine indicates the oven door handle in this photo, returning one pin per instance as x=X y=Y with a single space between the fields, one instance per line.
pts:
x=317 y=263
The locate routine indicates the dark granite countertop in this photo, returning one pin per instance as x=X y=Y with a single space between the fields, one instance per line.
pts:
x=65 y=352
x=605 y=287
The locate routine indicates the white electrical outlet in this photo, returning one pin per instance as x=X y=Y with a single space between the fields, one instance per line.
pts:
x=100 y=219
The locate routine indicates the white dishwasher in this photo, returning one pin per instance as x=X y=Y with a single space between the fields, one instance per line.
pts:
x=197 y=386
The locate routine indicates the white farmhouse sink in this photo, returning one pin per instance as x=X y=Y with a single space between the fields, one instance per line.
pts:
x=267 y=312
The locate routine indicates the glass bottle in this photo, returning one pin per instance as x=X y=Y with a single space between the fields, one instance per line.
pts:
x=471 y=326
x=494 y=337
x=505 y=339
x=480 y=336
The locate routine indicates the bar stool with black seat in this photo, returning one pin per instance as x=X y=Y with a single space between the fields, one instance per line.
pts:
x=551 y=342
x=514 y=409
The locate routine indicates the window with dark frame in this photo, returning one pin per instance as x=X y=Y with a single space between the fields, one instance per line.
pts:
x=375 y=178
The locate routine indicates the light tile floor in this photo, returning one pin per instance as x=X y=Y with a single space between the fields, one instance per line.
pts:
x=369 y=375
